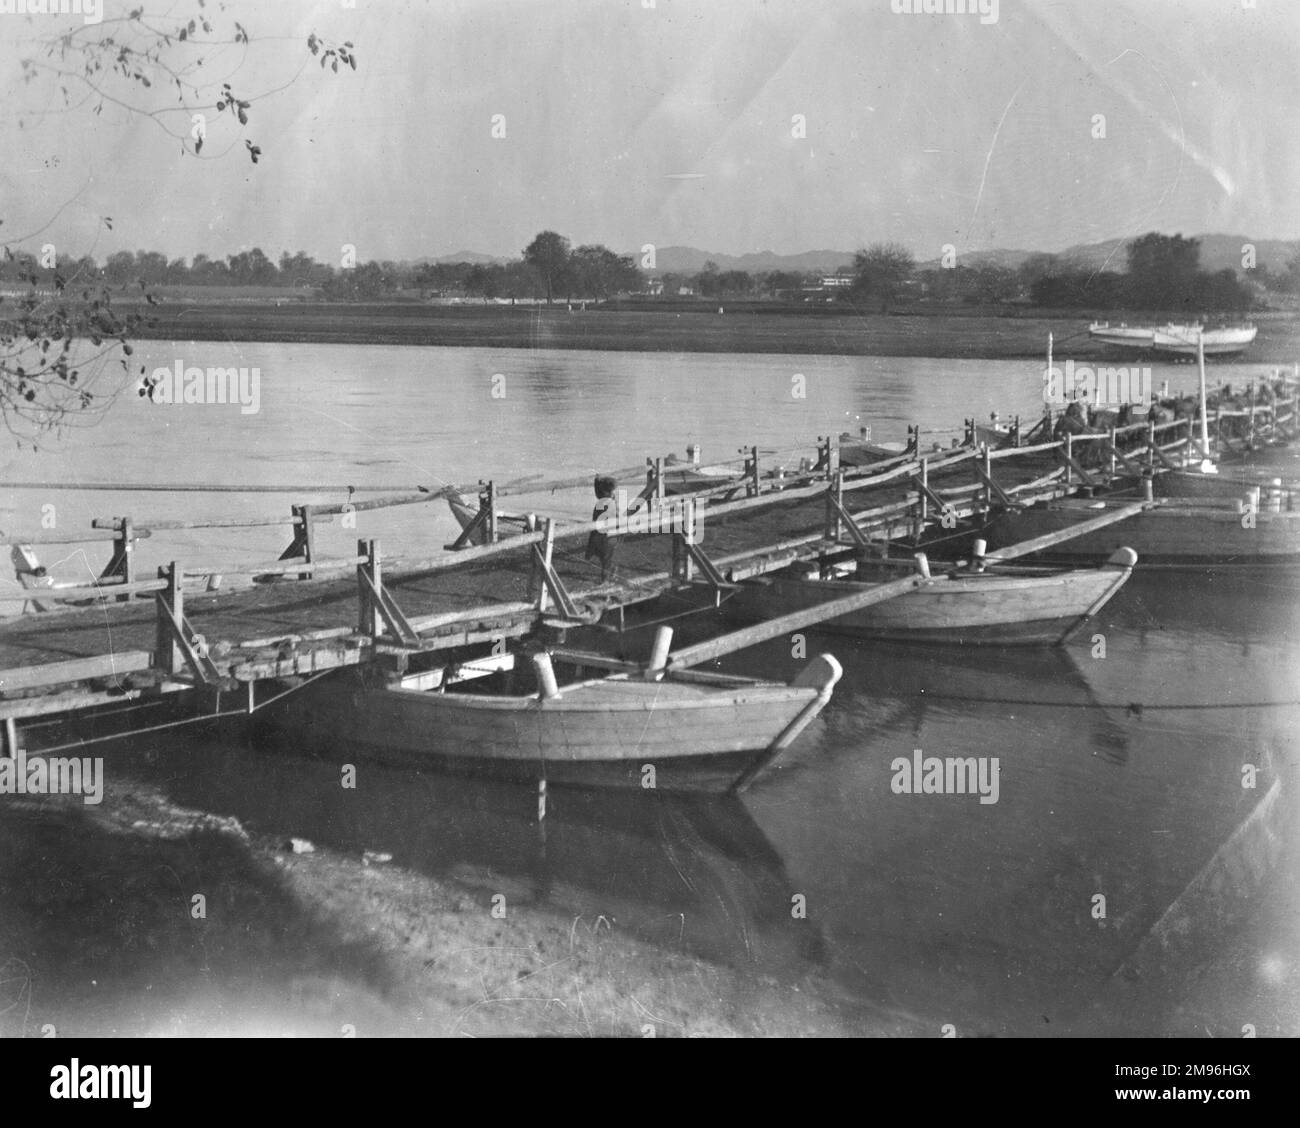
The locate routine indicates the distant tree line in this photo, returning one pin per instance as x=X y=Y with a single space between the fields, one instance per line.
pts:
x=549 y=269
x=1162 y=273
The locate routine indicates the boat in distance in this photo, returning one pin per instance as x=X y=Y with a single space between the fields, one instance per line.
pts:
x=1173 y=339
x=999 y=605
x=697 y=730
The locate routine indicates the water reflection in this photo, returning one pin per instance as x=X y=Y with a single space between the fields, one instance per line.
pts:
x=695 y=873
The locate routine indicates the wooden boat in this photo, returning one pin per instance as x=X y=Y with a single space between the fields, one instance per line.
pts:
x=1000 y=605
x=698 y=731
x=1181 y=340
x=679 y=479
x=1174 y=339
x=466 y=513
x=1217 y=533
x=1236 y=481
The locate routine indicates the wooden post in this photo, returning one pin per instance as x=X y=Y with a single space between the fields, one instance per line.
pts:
x=751 y=469
x=488 y=500
x=547 y=686
x=923 y=502
x=308 y=537
x=1151 y=444
x=834 y=502
x=304 y=538
x=122 y=563
x=1069 y=459
x=536 y=585
x=659 y=482
x=663 y=642
x=167 y=652
x=548 y=555
x=369 y=622
x=10 y=751
x=987 y=477
x=1114 y=438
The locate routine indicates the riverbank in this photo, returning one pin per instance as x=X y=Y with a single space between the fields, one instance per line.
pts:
x=744 y=329
x=141 y=918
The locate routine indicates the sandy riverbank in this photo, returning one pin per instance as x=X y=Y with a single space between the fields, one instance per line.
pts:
x=99 y=937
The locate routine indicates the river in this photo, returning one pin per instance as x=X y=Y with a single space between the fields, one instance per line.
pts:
x=1121 y=758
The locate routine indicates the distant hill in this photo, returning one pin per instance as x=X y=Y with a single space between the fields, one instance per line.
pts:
x=463 y=256
x=690 y=260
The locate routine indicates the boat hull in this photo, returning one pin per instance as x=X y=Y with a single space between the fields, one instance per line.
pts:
x=1181 y=341
x=991 y=609
x=1174 y=340
x=604 y=733
x=1177 y=533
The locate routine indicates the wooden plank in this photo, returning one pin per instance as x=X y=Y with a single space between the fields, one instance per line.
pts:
x=1013 y=452
x=69 y=538
x=761 y=632
x=1025 y=548
x=76 y=669
x=73 y=700
x=105 y=592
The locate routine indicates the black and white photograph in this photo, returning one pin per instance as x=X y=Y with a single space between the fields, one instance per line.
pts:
x=641 y=519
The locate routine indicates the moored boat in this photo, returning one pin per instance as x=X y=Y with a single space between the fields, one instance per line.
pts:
x=1181 y=340
x=468 y=518
x=1174 y=339
x=1218 y=533
x=998 y=605
x=680 y=730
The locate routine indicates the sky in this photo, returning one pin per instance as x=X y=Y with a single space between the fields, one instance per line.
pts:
x=730 y=125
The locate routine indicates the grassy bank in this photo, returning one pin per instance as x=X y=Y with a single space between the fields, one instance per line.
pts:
x=744 y=329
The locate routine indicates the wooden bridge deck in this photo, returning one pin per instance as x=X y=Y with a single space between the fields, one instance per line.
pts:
x=248 y=631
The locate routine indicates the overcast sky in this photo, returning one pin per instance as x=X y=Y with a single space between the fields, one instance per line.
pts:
x=628 y=125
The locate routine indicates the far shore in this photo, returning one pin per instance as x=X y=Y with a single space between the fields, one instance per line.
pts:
x=714 y=328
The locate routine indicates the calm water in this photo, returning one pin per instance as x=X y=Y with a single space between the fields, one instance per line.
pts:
x=1119 y=775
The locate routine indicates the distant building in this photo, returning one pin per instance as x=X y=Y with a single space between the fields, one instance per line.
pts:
x=836 y=281
x=655 y=287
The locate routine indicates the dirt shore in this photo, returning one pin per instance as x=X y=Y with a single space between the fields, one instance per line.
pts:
x=740 y=329
x=101 y=935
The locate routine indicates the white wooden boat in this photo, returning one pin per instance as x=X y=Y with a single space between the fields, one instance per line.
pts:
x=1181 y=340
x=698 y=731
x=1121 y=335
x=1174 y=339
x=1001 y=605
x=1218 y=533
